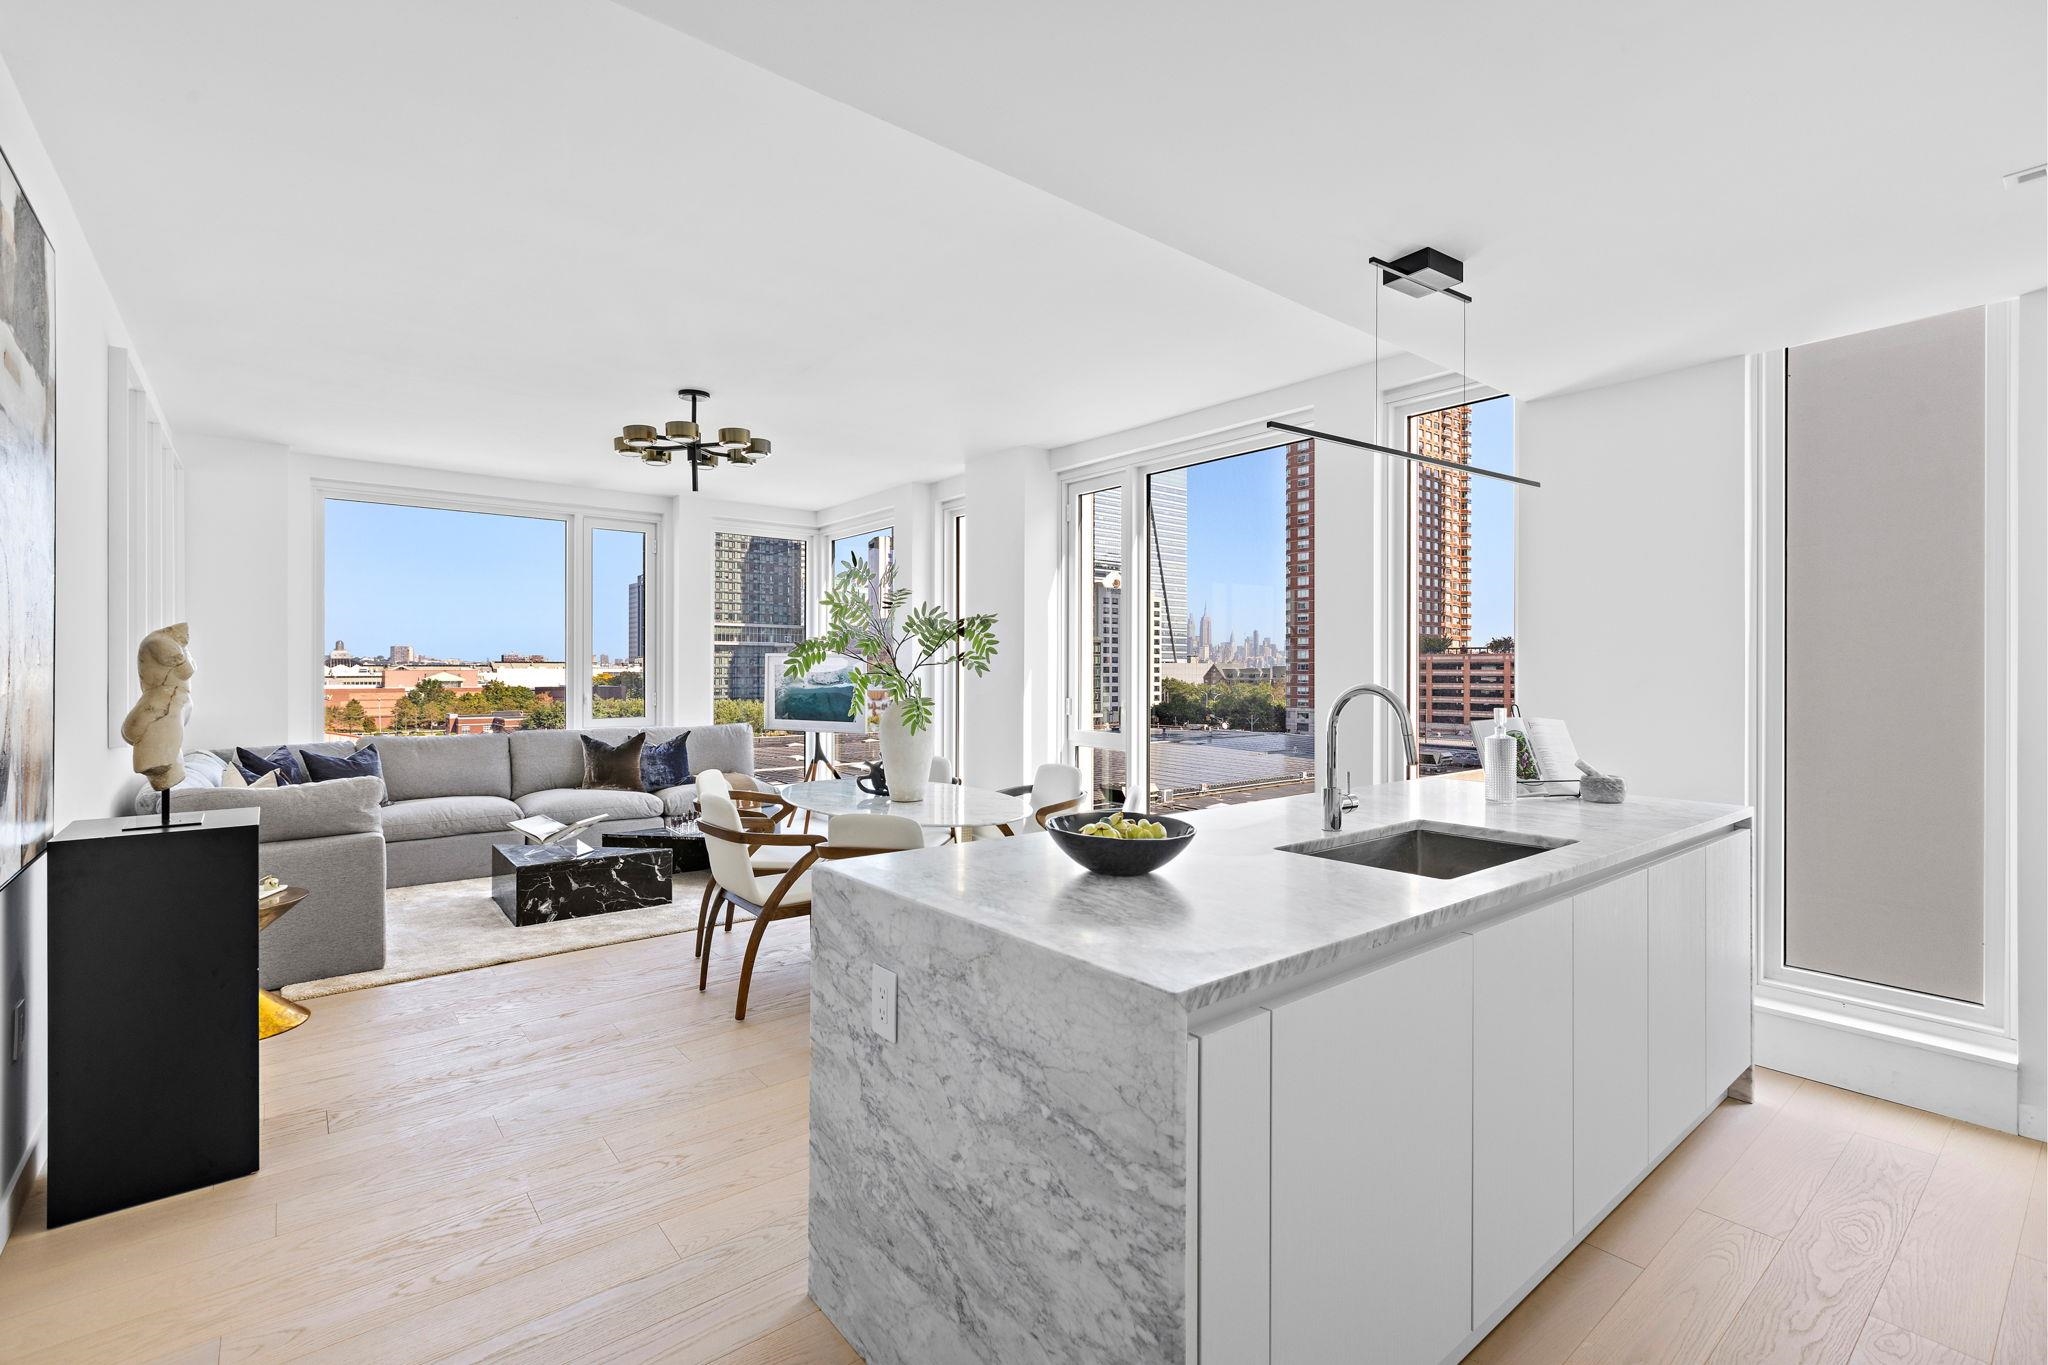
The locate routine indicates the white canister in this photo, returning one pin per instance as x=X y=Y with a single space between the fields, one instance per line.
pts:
x=1497 y=759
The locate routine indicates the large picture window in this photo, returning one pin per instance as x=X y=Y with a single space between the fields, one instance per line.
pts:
x=454 y=620
x=1461 y=577
x=760 y=600
x=443 y=621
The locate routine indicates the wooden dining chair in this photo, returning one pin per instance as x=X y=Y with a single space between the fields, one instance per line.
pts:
x=761 y=808
x=787 y=895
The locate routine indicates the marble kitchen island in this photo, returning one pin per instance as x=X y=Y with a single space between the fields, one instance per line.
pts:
x=1259 y=1105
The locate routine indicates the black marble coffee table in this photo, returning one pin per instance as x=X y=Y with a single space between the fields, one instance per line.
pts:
x=682 y=838
x=540 y=883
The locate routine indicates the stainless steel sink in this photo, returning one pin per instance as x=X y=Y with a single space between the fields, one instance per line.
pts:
x=1440 y=851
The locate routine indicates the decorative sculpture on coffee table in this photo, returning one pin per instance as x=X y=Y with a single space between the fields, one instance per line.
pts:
x=155 y=725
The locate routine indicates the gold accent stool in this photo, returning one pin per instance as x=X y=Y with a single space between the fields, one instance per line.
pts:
x=274 y=1013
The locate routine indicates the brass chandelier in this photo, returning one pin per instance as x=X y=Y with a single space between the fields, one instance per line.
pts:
x=735 y=445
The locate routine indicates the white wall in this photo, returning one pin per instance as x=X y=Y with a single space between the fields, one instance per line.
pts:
x=90 y=773
x=1631 y=572
x=1013 y=570
x=2031 y=666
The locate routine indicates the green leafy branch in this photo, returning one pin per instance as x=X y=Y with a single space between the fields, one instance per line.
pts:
x=861 y=608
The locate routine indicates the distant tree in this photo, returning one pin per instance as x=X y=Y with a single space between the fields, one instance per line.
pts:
x=545 y=713
x=335 y=720
x=735 y=711
x=1501 y=644
x=617 y=708
x=1432 y=644
x=369 y=725
x=353 y=717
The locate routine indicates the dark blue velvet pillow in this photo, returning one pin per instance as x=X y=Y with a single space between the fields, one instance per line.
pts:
x=665 y=765
x=280 y=760
x=362 y=763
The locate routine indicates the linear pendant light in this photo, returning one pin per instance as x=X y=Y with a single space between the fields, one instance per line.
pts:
x=1418 y=275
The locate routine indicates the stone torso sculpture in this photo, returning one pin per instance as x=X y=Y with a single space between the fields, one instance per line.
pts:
x=155 y=725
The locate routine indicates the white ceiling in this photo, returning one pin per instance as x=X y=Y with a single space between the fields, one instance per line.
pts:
x=1633 y=186
x=481 y=235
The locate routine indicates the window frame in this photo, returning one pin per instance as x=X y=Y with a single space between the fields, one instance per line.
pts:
x=1989 y=1031
x=577 y=520
x=807 y=536
x=1132 y=473
x=1403 y=405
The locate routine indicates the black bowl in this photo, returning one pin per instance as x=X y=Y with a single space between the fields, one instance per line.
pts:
x=1118 y=857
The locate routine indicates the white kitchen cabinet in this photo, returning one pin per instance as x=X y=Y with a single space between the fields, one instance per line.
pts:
x=1521 y=1100
x=1610 y=1048
x=1372 y=1164
x=1234 y=1218
x=1728 y=970
x=1677 y=975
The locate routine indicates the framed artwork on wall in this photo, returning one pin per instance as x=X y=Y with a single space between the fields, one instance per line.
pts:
x=28 y=532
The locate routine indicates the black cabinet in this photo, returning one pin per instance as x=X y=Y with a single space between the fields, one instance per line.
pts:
x=152 y=972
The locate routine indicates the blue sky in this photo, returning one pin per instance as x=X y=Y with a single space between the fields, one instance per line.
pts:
x=464 y=585
x=1236 y=564
x=1237 y=569
x=1493 y=521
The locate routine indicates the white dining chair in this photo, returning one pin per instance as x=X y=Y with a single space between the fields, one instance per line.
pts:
x=787 y=894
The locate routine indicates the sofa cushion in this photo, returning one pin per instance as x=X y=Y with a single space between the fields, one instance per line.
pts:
x=363 y=762
x=280 y=760
x=544 y=760
x=419 y=766
x=315 y=810
x=665 y=763
x=613 y=766
x=570 y=804
x=728 y=748
x=438 y=817
x=678 y=800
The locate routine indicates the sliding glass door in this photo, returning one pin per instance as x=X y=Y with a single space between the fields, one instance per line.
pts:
x=1191 y=657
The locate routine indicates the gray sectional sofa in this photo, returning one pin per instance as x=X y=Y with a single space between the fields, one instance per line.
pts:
x=450 y=798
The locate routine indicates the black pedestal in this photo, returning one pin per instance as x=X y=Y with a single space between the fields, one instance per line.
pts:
x=152 y=958
x=539 y=883
x=683 y=840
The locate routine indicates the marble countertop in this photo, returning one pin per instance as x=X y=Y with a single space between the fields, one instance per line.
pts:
x=1233 y=915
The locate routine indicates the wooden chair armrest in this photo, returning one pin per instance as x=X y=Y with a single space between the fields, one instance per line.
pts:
x=837 y=851
x=1047 y=812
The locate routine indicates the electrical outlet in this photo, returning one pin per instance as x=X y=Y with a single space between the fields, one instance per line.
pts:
x=882 y=1003
x=18 y=1030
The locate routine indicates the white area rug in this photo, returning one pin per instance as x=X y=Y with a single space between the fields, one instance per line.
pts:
x=456 y=927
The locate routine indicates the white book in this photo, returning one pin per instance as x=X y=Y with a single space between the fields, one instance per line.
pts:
x=545 y=829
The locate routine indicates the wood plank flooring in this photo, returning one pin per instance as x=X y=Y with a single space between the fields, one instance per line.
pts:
x=581 y=1158
x=1815 y=1226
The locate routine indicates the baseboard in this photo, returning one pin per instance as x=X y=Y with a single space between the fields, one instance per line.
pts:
x=2034 y=1122
x=1978 y=1083
x=19 y=1185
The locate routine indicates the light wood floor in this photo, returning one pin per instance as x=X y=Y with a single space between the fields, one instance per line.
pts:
x=580 y=1158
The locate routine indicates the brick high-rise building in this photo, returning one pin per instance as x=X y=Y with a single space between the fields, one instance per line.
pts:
x=1456 y=689
x=1300 y=542
x=1443 y=527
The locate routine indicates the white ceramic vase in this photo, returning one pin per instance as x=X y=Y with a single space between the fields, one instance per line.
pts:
x=906 y=757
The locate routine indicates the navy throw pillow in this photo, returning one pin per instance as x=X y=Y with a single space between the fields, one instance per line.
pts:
x=280 y=760
x=362 y=763
x=666 y=764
